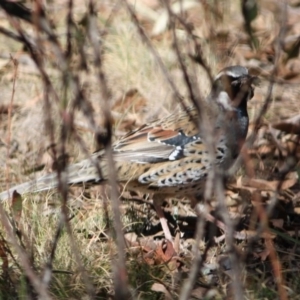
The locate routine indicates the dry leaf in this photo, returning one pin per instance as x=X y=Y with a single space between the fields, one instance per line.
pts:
x=162 y=22
x=232 y=199
x=262 y=184
x=265 y=149
x=290 y=125
x=278 y=223
x=145 y=10
x=158 y=287
x=263 y=254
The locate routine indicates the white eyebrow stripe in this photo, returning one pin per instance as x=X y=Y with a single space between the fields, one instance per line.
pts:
x=232 y=74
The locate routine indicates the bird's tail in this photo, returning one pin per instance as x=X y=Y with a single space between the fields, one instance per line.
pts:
x=44 y=183
x=87 y=171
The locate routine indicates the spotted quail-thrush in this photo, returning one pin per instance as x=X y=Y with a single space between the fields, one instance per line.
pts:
x=170 y=157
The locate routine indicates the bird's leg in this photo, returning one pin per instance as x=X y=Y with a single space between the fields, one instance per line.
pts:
x=157 y=201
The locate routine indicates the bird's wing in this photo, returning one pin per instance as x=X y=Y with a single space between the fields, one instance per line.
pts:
x=158 y=141
x=164 y=140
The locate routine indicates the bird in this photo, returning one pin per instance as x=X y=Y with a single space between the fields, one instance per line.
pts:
x=170 y=157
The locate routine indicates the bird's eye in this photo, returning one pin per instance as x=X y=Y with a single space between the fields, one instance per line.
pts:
x=235 y=82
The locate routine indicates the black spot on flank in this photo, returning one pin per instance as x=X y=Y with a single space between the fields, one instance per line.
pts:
x=146 y=169
x=192 y=151
x=219 y=157
x=221 y=150
x=205 y=175
x=189 y=169
x=198 y=143
x=189 y=180
x=170 y=180
x=194 y=186
x=198 y=161
x=163 y=181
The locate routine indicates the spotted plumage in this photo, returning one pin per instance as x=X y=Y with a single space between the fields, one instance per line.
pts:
x=170 y=157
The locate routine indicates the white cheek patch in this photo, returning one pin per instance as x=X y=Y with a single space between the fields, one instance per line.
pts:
x=234 y=72
x=225 y=101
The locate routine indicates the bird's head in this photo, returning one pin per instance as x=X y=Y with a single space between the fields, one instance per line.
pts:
x=233 y=87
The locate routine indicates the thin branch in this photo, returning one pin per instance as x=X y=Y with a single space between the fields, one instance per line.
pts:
x=120 y=273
